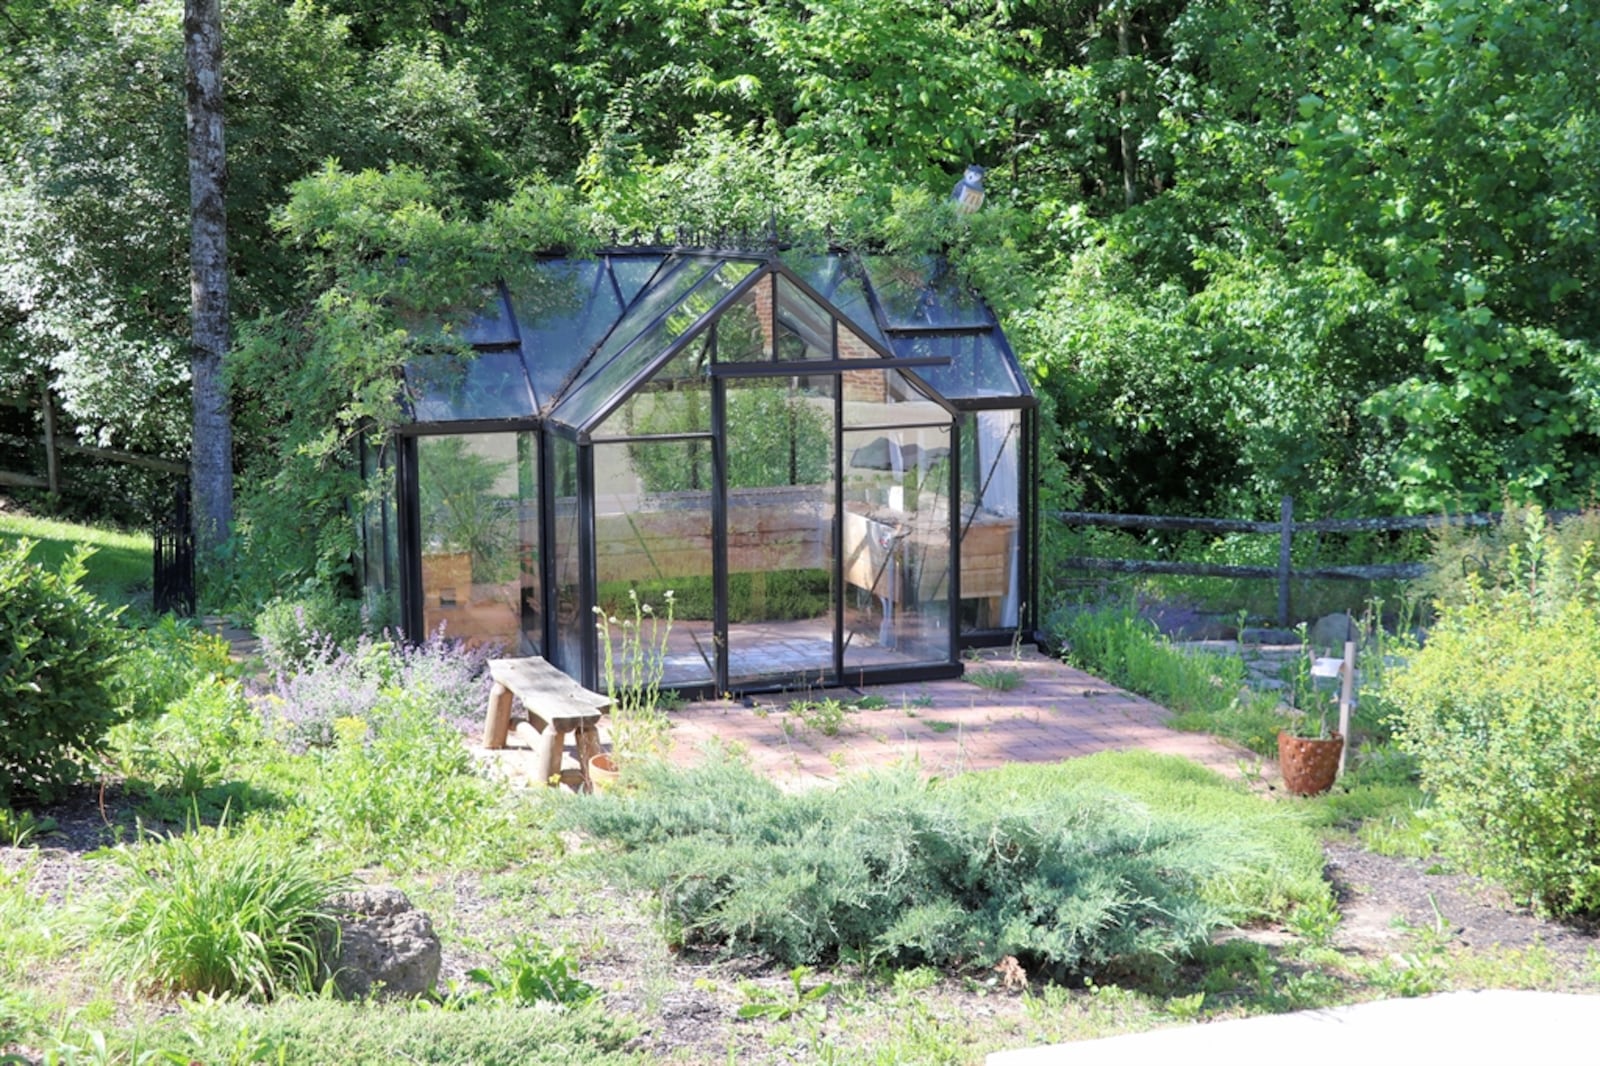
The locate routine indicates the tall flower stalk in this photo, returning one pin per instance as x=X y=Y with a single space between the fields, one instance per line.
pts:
x=635 y=651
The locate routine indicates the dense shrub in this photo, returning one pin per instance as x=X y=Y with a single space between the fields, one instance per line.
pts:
x=165 y=661
x=398 y=787
x=59 y=652
x=295 y=630
x=1500 y=711
x=1072 y=878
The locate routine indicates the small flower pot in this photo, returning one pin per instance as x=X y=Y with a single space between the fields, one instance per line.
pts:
x=602 y=770
x=1309 y=764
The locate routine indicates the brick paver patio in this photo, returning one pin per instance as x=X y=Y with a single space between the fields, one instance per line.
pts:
x=1056 y=712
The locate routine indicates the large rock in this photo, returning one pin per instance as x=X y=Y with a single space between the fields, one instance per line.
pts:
x=1329 y=633
x=386 y=946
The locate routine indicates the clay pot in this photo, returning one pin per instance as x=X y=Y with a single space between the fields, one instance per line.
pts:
x=1309 y=764
x=603 y=773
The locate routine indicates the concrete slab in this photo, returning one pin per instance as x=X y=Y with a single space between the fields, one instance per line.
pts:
x=1458 y=1028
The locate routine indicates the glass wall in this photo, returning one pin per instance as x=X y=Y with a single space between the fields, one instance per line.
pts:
x=896 y=523
x=652 y=528
x=573 y=631
x=380 y=547
x=473 y=490
x=990 y=519
x=780 y=467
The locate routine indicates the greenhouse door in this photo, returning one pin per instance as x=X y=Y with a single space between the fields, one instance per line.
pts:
x=779 y=609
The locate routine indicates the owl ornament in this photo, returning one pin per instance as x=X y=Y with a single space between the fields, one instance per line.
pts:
x=968 y=193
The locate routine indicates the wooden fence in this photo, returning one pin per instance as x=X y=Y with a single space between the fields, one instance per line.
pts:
x=1285 y=529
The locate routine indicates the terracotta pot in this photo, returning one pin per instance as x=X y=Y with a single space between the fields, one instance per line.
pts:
x=603 y=772
x=1309 y=764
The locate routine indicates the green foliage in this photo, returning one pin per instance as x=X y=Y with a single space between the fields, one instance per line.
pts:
x=531 y=973
x=357 y=1034
x=240 y=911
x=1498 y=710
x=165 y=661
x=805 y=1002
x=59 y=653
x=995 y=678
x=1206 y=692
x=961 y=873
x=1255 y=861
x=299 y=630
x=187 y=754
x=398 y=787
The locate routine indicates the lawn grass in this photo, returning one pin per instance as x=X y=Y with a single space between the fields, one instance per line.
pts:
x=119 y=568
x=1268 y=859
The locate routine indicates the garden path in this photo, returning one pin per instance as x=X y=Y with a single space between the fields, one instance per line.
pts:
x=1054 y=712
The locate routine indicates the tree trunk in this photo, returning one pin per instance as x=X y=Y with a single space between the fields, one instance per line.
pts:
x=1129 y=142
x=212 y=457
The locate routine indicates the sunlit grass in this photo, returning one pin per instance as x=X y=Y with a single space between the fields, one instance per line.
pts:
x=119 y=567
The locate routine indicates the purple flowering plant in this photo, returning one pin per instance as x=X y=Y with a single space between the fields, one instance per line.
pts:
x=332 y=681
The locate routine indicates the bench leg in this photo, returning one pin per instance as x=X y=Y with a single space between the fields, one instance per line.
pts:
x=588 y=741
x=498 y=721
x=552 y=743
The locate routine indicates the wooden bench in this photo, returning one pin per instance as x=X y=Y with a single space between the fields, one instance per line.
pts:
x=556 y=706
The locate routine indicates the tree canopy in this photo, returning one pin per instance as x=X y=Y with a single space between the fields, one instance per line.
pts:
x=1245 y=247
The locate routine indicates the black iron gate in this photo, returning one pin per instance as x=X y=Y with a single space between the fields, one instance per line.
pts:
x=173 y=584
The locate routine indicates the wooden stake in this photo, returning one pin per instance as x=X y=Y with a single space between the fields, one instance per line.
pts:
x=1346 y=697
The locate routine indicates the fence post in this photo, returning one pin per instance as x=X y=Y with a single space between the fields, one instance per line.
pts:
x=1285 y=535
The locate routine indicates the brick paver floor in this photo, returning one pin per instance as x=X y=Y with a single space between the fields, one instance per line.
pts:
x=1056 y=712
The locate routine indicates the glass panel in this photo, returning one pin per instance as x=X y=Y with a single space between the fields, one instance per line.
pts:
x=887 y=397
x=493 y=324
x=805 y=328
x=380 y=604
x=469 y=501
x=563 y=308
x=850 y=298
x=978 y=366
x=683 y=313
x=780 y=530
x=462 y=386
x=573 y=630
x=676 y=400
x=653 y=536
x=896 y=546
x=744 y=332
x=821 y=272
x=532 y=585
x=631 y=273
x=991 y=494
x=919 y=291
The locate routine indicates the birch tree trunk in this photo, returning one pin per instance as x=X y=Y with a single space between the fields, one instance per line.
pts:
x=212 y=454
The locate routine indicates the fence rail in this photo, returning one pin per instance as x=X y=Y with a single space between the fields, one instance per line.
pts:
x=1285 y=528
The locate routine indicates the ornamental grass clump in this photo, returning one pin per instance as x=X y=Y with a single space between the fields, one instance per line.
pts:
x=227 y=910
x=893 y=869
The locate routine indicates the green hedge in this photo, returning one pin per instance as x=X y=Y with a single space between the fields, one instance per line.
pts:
x=59 y=654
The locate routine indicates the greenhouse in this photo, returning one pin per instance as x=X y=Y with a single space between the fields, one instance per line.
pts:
x=827 y=460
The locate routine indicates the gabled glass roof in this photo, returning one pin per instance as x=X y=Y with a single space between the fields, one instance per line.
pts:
x=571 y=339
